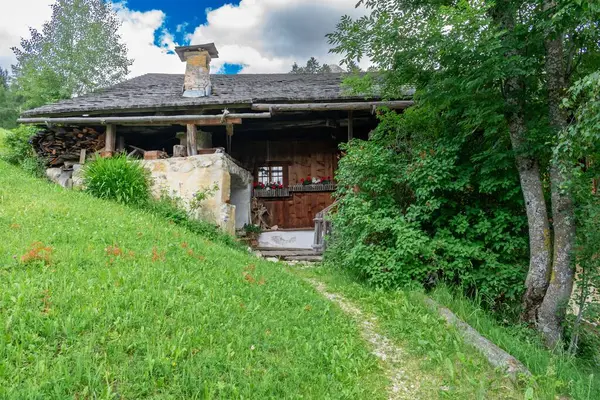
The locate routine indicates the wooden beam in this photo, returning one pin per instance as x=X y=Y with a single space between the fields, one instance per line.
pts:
x=213 y=122
x=121 y=143
x=220 y=119
x=356 y=106
x=192 y=146
x=184 y=110
x=229 y=136
x=350 y=126
x=111 y=138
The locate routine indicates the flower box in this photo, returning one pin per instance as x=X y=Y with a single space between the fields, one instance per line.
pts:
x=272 y=192
x=315 y=187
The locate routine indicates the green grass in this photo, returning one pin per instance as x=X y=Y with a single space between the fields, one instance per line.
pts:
x=129 y=306
x=457 y=366
x=3 y=133
x=553 y=373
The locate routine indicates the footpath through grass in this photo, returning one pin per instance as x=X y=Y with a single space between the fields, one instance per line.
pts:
x=456 y=369
x=100 y=301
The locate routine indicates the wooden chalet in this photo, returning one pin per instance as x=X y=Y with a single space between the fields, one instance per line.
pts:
x=280 y=129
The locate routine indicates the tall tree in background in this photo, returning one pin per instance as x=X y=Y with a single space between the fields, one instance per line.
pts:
x=312 y=67
x=77 y=51
x=479 y=59
x=8 y=102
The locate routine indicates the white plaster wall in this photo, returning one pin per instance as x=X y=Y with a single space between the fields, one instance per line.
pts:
x=241 y=198
x=303 y=239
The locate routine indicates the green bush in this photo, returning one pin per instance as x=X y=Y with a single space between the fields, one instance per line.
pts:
x=424 y=209
x=117 y=178
x=17 y=150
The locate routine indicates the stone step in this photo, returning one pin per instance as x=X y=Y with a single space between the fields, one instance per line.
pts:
x=287 y=254
x=304 y=258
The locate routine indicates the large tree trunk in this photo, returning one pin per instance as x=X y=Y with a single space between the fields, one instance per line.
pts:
x=537 y=213
x=553 y=309
x=540 y=241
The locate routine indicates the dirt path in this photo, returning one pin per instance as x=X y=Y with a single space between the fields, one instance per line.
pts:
x=401 y=370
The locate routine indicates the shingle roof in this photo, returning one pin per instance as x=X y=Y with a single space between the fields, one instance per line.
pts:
x=158 y=91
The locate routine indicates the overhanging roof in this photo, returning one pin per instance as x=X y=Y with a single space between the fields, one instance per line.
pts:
x=163 y=91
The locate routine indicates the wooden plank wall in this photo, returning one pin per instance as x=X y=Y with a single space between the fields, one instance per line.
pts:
x=305 y=158
x=302 y=158
x=297 y=211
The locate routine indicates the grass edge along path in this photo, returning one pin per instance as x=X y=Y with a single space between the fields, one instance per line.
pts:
x=405 y=317
x=101 y=301
x=451 y=368
x=406 y=382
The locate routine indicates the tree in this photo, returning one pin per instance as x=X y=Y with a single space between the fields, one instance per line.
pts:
x=79 y=50
x=312 y=67
x=502 y=67
x=8 y=102
x=3 y=78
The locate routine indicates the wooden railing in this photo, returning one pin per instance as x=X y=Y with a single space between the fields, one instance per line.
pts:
x=323 y=228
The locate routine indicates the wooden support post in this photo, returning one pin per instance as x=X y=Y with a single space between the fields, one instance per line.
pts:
x=111 y=138
x=121 y=143
x=350 y=126
x=229 y=136
x=192 y=146
x=204 y=140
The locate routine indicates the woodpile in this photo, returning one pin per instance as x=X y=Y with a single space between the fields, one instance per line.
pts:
x=60 y=144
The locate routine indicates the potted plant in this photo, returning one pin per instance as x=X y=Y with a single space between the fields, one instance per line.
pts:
x=252 y=234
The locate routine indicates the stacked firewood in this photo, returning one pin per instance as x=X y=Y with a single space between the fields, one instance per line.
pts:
x=60 y=144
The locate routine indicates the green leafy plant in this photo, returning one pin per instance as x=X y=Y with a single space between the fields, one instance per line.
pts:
x=17 y=150
x=117 y=178
x=201 y=195
x=424 y=210
x=172 y=209
x=252 y=229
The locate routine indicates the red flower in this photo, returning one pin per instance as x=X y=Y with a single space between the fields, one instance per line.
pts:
x=302 y=180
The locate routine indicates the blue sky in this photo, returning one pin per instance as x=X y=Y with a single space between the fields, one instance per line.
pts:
x=185 y=14
x=252 y=36
x=182 y=16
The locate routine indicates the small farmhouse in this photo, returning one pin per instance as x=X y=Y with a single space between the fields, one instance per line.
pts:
x=268 y=143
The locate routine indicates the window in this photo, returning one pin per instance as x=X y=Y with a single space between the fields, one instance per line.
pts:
x=271 y=174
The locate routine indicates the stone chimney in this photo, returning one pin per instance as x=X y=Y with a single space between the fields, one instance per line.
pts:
x=197 y=71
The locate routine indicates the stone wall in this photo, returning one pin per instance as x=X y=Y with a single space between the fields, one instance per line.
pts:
x=184 y=177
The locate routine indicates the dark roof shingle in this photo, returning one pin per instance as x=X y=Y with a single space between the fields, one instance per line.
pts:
x=158 y=91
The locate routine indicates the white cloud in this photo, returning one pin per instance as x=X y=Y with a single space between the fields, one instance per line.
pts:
x=137 y=32
x=263 y=35
x=270 y=35
x=15 y=19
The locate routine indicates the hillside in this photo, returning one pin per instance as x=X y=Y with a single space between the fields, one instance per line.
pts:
x=97 y=300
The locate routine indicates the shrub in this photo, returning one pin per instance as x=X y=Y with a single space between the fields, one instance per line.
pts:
x=17 y=150
x=172 y=209
x=424 y=208
x=117 y=178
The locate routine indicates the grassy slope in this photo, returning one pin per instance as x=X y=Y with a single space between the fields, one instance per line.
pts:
x=2 y=135
x=404 y=317
x=554 y=373
x=129 y=307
